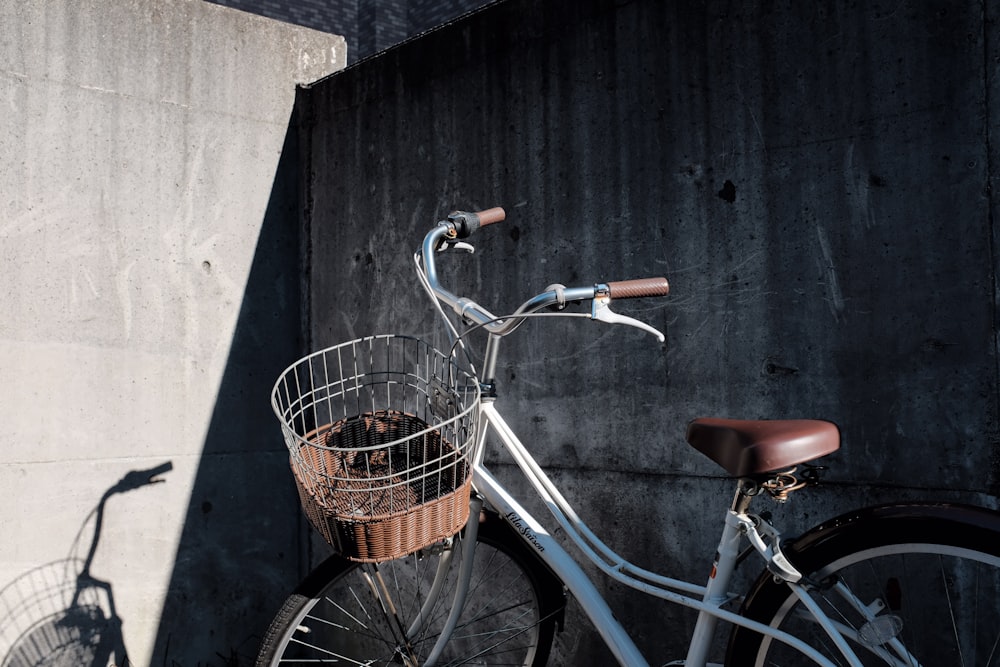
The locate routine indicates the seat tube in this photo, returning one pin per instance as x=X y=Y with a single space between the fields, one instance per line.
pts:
x=716 y=591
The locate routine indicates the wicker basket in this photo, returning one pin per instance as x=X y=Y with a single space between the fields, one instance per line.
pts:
x=381 y=434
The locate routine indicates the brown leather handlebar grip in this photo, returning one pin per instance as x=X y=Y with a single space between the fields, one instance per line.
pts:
x=630 y=289
x=490 y=215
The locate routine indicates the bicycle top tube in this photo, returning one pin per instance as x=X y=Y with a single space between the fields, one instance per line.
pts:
x=460 y=224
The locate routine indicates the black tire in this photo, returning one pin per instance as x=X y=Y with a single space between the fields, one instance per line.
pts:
x=510 y=616
x=935 y=568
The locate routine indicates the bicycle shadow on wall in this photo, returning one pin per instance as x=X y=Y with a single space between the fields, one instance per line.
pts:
x=59 y=614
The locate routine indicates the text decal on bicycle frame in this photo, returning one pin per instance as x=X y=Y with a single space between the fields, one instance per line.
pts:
x=519 y=526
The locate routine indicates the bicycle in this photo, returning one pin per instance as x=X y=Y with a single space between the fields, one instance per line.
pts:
x=439 y=564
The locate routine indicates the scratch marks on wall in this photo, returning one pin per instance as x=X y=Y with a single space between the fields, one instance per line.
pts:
x=835 y=298
x=857 y=184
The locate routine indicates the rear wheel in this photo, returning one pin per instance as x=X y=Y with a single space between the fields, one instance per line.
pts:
x=339 y=613
x=929 y=574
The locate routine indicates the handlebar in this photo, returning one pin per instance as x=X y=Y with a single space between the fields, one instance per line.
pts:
x=462 y=224
x=466 y=223
x=633 y=289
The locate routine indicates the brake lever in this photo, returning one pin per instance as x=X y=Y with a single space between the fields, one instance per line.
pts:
x=601 y=311
x=456 y=245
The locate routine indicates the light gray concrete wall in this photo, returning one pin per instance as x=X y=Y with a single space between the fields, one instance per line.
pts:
x=141 y=200
x=812 y=178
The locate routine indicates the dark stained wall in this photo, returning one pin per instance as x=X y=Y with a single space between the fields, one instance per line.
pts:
x=813 y=178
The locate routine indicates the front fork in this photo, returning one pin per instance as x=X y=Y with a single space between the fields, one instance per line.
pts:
x=468 y=542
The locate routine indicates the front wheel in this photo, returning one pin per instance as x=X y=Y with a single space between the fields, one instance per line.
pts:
x=927 y=574
x=347 y=613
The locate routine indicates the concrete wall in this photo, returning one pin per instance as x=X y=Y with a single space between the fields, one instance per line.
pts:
x=148 y=238
x=815 y=181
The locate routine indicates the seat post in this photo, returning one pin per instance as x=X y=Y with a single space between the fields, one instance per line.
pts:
x=745 y=491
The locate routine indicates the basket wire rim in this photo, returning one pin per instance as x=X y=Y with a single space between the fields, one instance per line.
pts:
x=284 y=414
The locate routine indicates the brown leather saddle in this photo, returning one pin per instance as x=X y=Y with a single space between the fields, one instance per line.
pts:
x=754 y=448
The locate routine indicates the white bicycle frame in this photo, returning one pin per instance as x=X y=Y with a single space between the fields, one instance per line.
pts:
x=708 y=599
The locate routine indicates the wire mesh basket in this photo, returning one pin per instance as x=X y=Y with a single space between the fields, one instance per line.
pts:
x=381 y=433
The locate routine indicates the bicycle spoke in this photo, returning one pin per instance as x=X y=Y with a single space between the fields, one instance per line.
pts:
x=491 y=648
x=951 y=616
x=993 y=651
